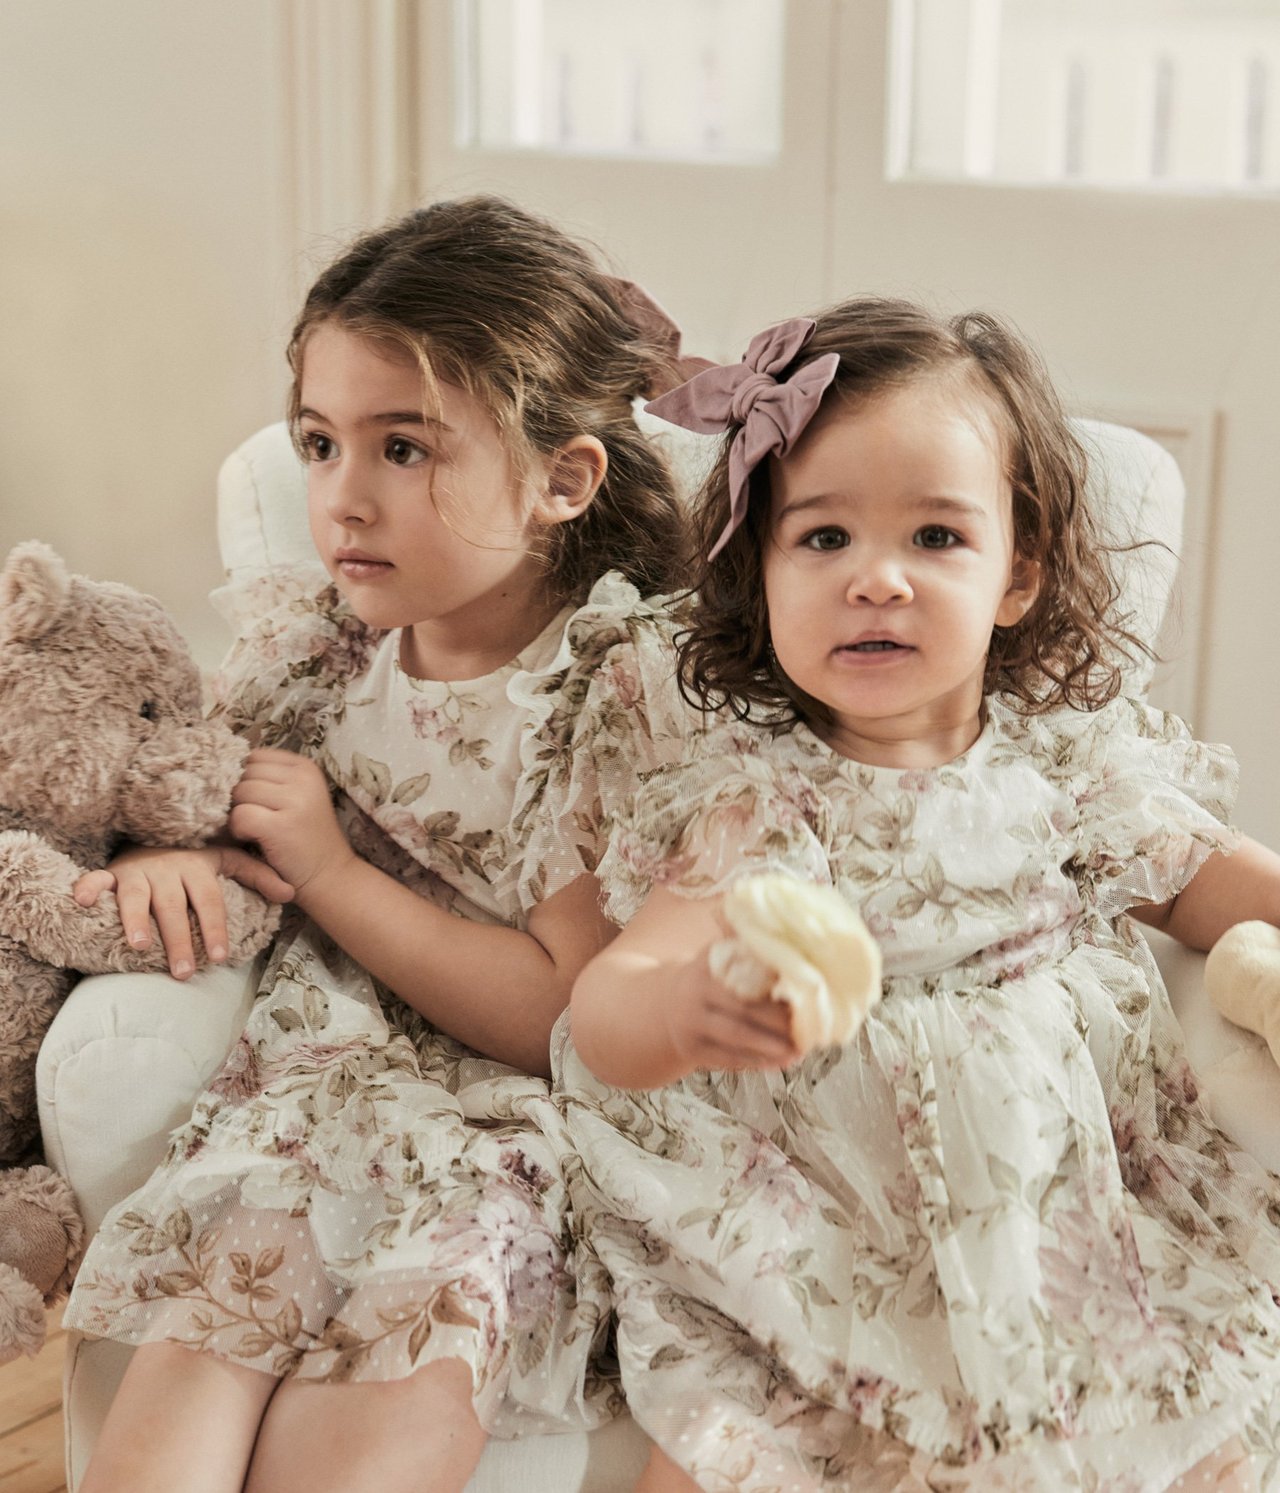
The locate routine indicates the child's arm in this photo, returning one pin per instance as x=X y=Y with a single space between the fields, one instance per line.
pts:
x=1226 y=890
x=647 y=1011
x=497 y=989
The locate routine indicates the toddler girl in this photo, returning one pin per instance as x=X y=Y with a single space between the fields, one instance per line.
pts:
x=355 y=1259
x=995 y=1242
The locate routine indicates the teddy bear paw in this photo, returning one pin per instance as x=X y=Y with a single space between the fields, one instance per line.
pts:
x=21 y=1316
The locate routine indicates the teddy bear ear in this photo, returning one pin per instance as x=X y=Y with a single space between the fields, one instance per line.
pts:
x=34 y=586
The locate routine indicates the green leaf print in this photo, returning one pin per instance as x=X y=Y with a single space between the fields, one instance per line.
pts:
x=372 y=778
x=411 y=789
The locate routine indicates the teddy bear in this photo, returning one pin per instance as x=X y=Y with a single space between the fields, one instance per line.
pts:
x=102 y=740
x=1242 y=976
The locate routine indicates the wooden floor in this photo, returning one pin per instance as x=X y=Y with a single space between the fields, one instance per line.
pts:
x=31 y=1419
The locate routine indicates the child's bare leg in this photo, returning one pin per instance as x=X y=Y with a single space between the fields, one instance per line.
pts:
x=1225 y=1471
x=661 y=1475
x=330 y=1438
x=180 y=1419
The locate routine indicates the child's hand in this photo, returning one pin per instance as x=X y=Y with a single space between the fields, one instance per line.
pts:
x=710 y=1027
x=168 y=884
x=282 y=804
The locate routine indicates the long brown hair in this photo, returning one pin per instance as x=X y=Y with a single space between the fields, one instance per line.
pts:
x=504 y=305
x=1066 y=650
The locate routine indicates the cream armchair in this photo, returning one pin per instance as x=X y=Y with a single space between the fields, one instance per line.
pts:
x=127 y=1055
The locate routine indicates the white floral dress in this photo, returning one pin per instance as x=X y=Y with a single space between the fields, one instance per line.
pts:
x=357 y=1194
x=995 y=1242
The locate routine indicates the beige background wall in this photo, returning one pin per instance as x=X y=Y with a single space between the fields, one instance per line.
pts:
x=142 y=278
x=170 y=173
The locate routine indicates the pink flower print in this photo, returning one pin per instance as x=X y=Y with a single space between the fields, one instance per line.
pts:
x=903 y=1195
x=345 y=651
x=1092 y=1281
x=880 y=926
x=431 y=724
x=919 y=781
x=863 y=1391
x=1178 y=1083
x=774 y=1183
x=517 y=1164
x=624 y=683
x=505 y=1232
x=240 y=1077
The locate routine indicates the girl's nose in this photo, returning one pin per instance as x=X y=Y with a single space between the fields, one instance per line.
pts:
x=348 y=495
x=880 y=580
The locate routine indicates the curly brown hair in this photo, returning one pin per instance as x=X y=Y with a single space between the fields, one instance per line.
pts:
x=505 y=305
x=1069 y=646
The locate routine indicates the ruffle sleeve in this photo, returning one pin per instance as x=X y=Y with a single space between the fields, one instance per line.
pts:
x=602 y=714
x=286 y=673
x=696 y=826
x=1152 y=802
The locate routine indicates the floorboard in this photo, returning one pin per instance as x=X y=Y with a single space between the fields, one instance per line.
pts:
x=31 y=1419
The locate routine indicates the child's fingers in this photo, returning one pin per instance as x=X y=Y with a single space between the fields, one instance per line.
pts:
x=204 y=899
x=738 y=1041
x=133 y=899
x=169 y=909
x=256 y=874
x=768 y=1016
x=92 y=885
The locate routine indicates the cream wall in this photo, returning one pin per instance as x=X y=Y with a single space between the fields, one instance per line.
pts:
x=143 y=282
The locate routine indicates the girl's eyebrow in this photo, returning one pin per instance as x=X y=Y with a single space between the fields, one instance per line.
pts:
x=388 y=417
x=960 y=506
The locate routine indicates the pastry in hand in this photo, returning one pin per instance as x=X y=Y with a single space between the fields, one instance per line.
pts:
x=1242 y=976
x=801 y=943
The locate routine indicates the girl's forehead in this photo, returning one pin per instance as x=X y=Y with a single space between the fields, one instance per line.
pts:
x=353 y=374
x=911 y=429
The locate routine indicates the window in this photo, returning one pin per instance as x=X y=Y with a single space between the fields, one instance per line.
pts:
x=685 y=80
x=1161 y=94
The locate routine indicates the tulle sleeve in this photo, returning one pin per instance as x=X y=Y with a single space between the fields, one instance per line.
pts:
x=298 y=643
x=694 y=827
x=1152 y=802
x=603 y=714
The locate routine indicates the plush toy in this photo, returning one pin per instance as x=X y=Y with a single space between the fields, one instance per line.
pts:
x=101 y=740
x=1242 y=976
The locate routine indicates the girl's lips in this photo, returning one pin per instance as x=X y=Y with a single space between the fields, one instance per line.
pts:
x=879 y=651
x=361 y=568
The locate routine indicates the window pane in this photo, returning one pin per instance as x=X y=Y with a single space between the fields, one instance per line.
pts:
x=695 y=80
x=1170 y=94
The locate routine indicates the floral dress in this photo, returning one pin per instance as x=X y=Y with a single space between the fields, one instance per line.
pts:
x=357 y=1194
x=996 y=1241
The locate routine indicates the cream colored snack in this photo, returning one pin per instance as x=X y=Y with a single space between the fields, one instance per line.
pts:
x=803 y=944
x=1242 y=976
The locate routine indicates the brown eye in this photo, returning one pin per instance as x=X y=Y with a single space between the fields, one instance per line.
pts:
x=937 y=537
x=147 y=710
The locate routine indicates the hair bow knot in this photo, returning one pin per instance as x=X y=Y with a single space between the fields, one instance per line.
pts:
x=771 y=413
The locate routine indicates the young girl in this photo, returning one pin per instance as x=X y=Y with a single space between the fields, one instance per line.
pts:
x=361 y=1232
x=995 y=1242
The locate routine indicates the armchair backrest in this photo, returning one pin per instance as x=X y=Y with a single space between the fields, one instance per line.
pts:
x=1134 y=483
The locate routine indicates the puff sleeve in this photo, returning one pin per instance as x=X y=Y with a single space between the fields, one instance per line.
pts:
x=286 y=673
x=730 y=811
x=1152 y=803
x=602 y=715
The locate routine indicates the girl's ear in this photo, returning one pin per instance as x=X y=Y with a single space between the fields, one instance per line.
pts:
x=1024 y=587
x=574 y=475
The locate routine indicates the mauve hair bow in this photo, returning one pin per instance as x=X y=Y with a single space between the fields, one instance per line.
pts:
x=653 y=322
x=772 y=414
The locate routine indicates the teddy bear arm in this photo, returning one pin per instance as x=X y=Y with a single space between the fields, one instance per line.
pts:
x=251 y=921
x=30 y=994
x=38 y=912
